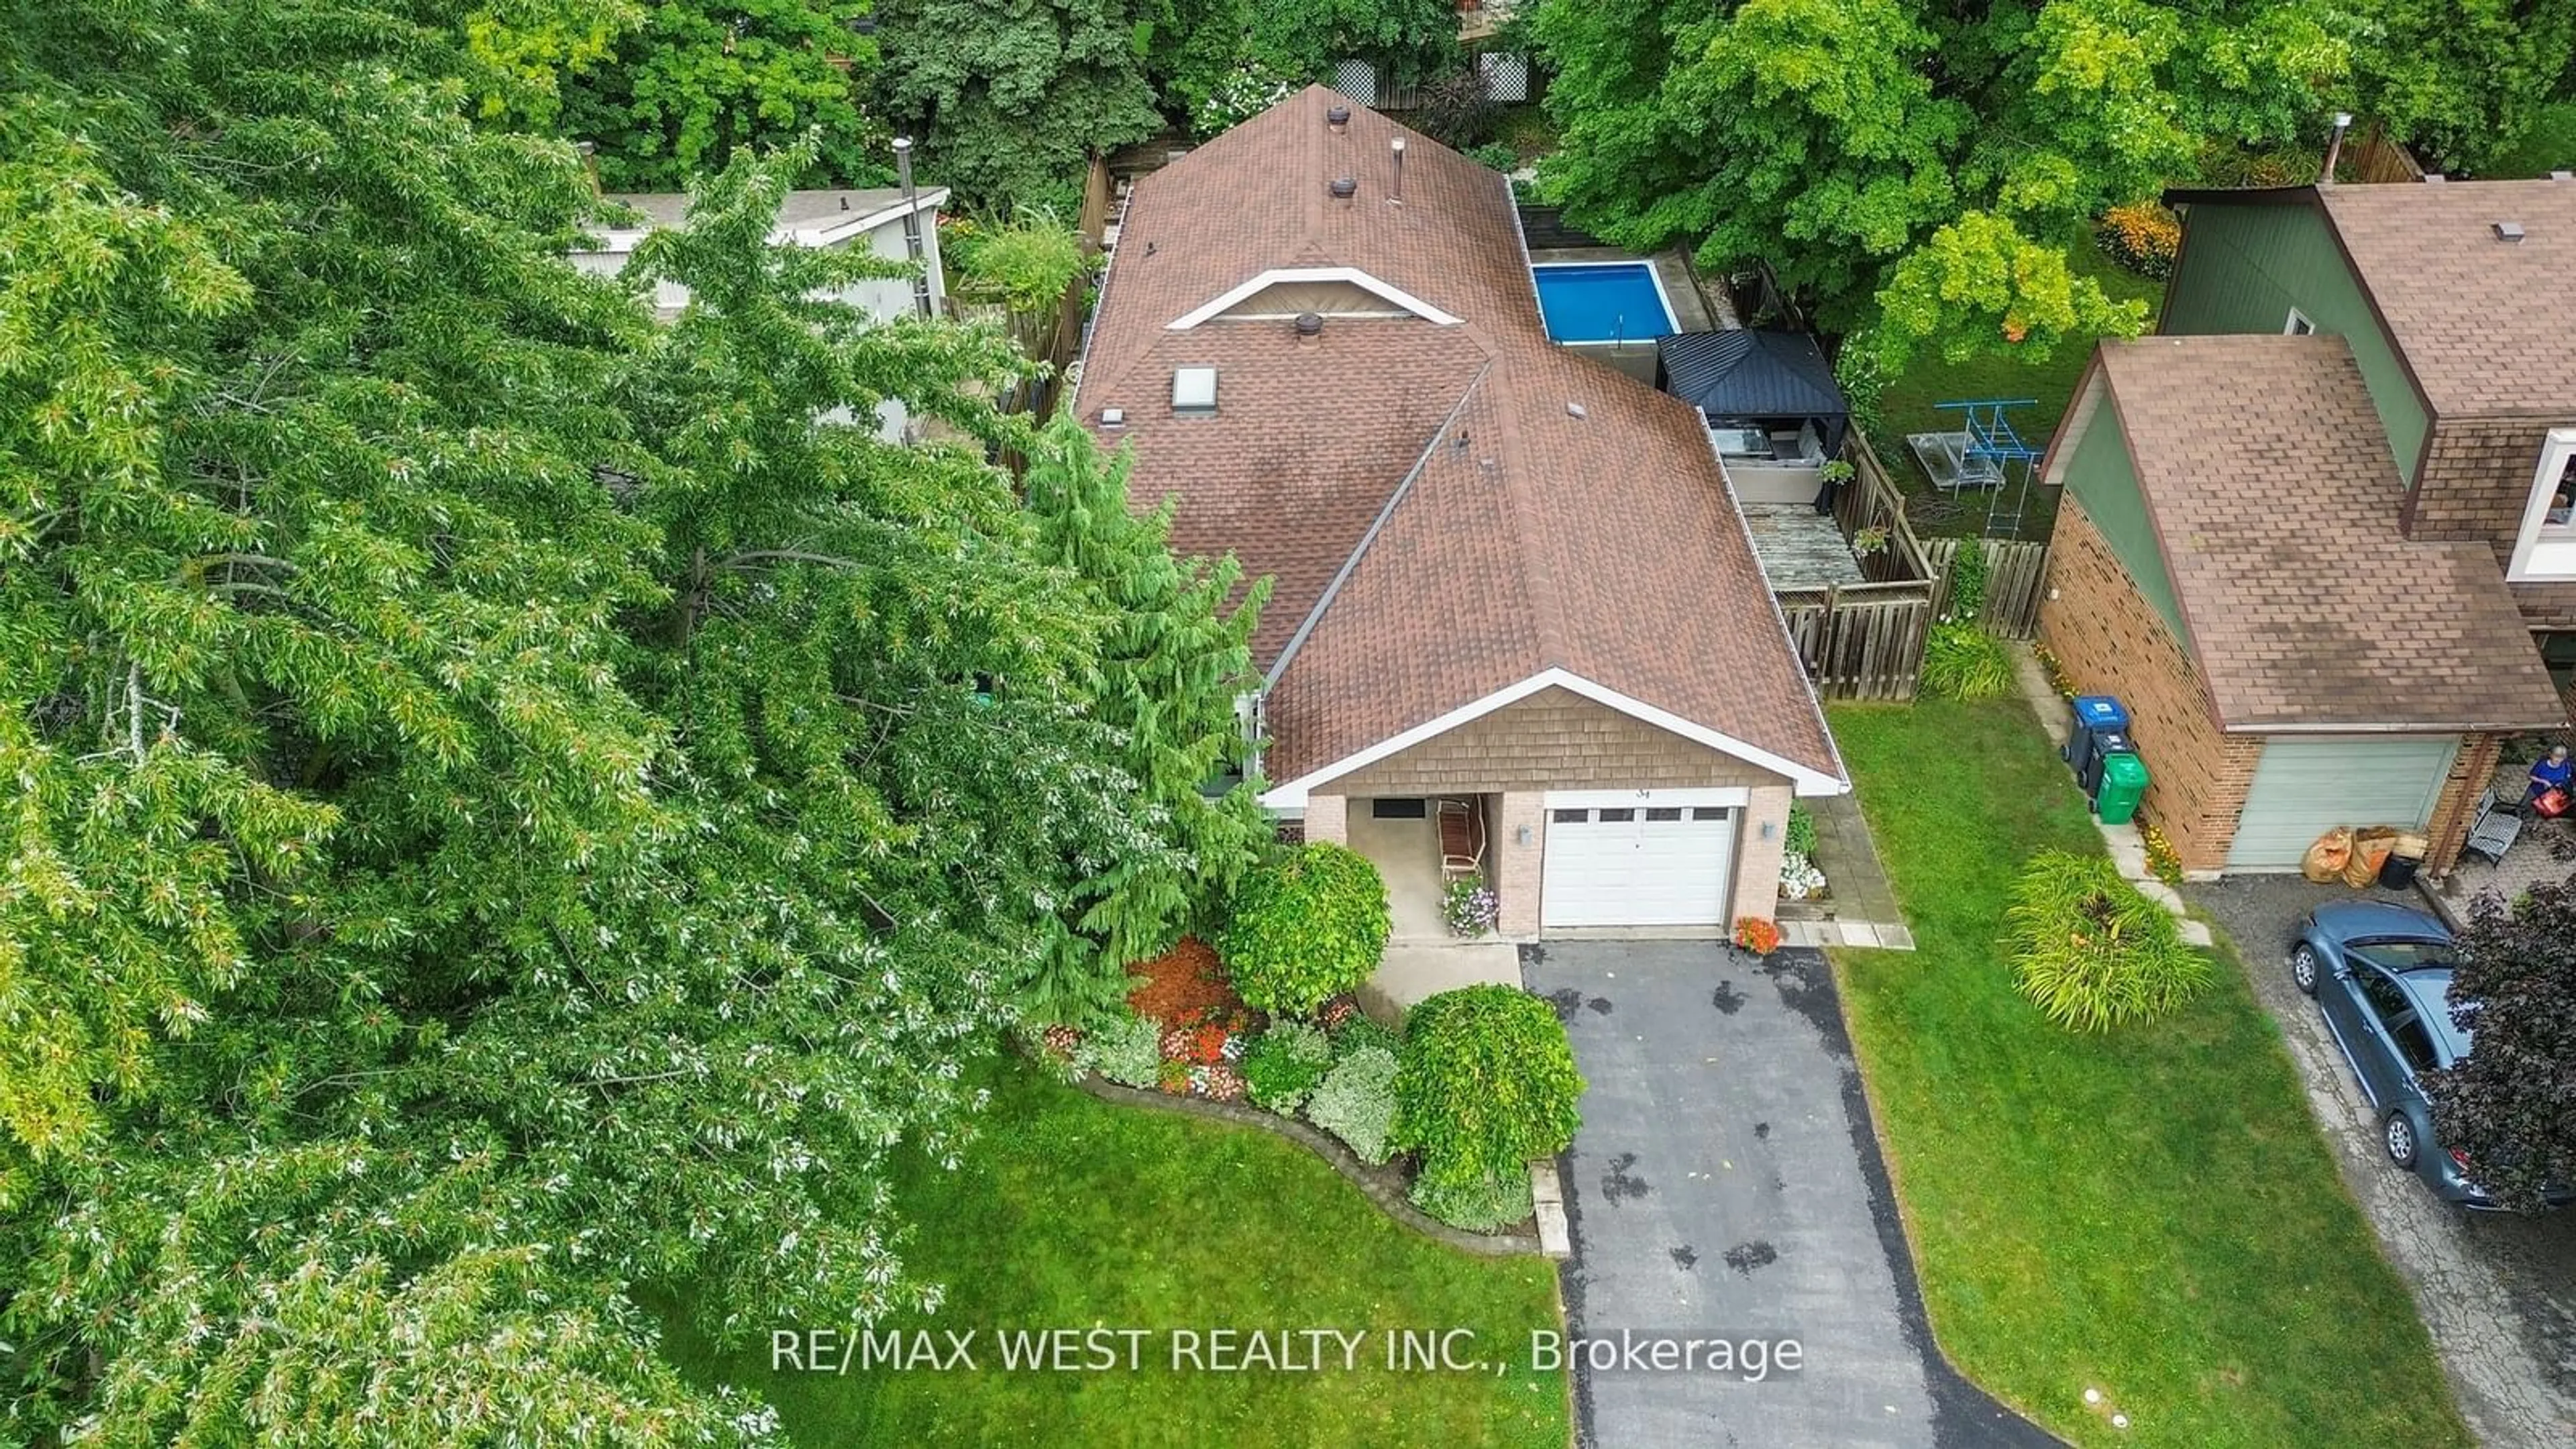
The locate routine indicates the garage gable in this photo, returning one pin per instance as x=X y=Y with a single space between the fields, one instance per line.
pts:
x=1552 y=739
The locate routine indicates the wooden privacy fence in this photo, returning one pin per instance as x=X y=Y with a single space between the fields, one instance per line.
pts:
x=2016 y=580
x=1860 y=641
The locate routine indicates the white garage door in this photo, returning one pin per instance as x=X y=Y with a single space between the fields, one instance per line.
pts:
x=1652 y=858
x=2305 y=786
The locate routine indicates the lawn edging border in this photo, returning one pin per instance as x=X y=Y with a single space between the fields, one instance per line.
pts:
x=1389 y=1200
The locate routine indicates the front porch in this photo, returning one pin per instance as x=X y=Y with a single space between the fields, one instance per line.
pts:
x=2541 y=850
x=1422 y=958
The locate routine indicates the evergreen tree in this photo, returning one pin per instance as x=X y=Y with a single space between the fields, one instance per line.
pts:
x=1175 y=660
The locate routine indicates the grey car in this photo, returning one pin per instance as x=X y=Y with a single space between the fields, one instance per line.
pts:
x=2382 y=974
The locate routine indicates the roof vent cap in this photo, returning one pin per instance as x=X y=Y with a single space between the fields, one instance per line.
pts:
x=1310 y=325
x=1338 y=117
x=2508 y=231
x=1575 y=410
x=1345 y=188
x=2435 y=177
x=2562 y=175
x=1194 y=392
x=1113 y=417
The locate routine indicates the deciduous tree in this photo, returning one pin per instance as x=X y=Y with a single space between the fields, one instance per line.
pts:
x=2511 y=1106
x=517 y=813
x=2462 y=79
x=1009 y=99
x=693 y=80
x=1934 y=162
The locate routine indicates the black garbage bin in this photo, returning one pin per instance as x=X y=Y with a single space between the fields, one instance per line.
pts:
x=2398 y=871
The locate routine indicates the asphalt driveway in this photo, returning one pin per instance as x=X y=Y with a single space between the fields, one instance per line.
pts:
x=1726 y=1184
x=2497 y=1291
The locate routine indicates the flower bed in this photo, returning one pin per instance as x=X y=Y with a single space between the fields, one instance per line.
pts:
x=1341 y=1072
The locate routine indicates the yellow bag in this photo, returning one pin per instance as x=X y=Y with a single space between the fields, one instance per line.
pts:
x=2326 y=859
x=2369 y=852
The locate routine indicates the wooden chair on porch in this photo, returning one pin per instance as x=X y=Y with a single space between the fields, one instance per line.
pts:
x=1462 y=839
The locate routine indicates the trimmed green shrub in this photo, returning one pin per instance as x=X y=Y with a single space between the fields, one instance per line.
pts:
x=1357 y=1103
x=1480 y=1207
x=1125 y=1049
x=1967 y=601
x=1308 y=926
x=1285 y=1064
x=1488 y=1082
x=2091 y=950
x=1495 y=155
x=1962 y=661
x=1363 y=1031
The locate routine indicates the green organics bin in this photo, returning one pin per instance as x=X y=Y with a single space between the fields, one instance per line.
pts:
x=2124 y=779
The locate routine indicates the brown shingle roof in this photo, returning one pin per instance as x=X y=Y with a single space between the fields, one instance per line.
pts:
x=2274 y=498
x=1511 y=536
x=2487 y=326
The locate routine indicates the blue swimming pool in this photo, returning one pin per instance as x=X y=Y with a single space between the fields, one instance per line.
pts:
x=1602 y=302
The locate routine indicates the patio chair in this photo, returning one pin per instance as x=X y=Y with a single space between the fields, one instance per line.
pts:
x=2493 y=830
x=1462 y=839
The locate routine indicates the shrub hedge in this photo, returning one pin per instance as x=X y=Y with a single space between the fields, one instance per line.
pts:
x=1285 y=1064
x=1357 y=1103
x=1306 y=927
x=1488 y=1083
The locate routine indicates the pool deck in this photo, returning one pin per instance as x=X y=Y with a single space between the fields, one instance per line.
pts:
x=1693 y=310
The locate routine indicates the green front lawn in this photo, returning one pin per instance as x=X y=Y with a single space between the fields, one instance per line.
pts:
x=1907 y=405
x=2151 y=1213
x=1075 y=1213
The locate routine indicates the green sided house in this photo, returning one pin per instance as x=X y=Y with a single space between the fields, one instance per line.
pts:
x=2319 y=537
x=1517 y=630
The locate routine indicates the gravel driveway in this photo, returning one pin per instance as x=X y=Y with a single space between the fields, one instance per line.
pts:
x=2498 y=1291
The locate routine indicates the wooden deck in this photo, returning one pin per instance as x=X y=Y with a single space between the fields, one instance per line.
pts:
x=1799 y=547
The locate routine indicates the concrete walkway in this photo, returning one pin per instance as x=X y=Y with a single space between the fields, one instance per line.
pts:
x=2128 y=848
x=1861 y=909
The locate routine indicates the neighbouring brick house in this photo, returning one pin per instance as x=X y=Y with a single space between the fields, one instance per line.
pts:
x=1508 y=581
x=2319 y=535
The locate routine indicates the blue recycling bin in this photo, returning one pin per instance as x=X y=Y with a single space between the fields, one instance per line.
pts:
x=2094 y=717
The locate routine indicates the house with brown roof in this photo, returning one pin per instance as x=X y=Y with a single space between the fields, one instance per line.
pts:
x=2319 y=535
x=1516 y=616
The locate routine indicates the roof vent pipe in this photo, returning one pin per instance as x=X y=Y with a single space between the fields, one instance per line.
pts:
x=1338 y=118
x=2334 y=148
x=1310 y=328
x=1345 y=188
x=1397 y=194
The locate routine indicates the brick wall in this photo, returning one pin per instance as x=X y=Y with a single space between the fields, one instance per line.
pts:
x=1757 y=860
x=2112 y=641
x=1328 y=818
x=1517 y=873
x=2477 y=480
x=2453 y=812
x=1555 y=739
